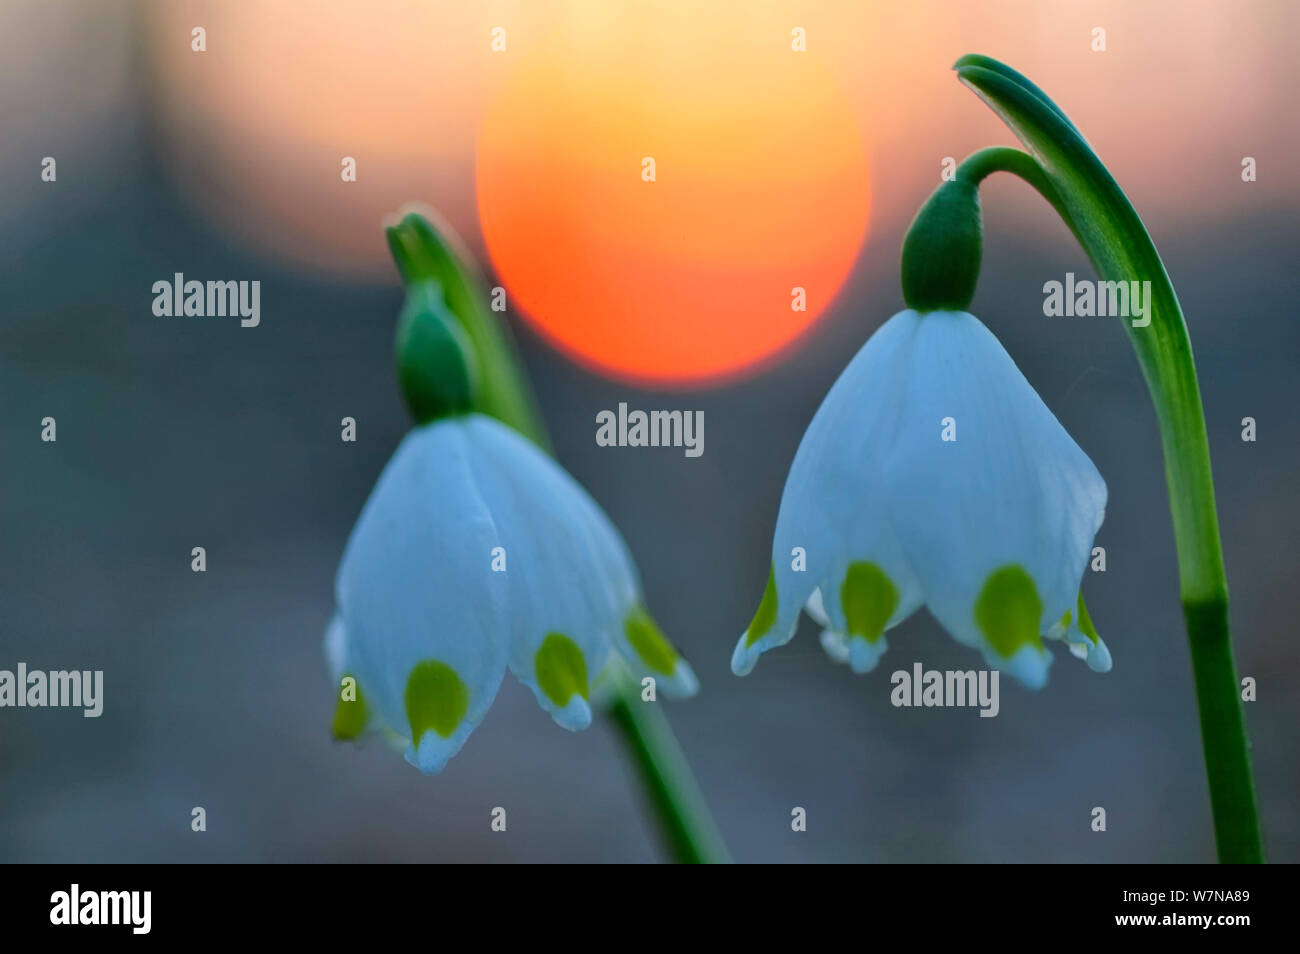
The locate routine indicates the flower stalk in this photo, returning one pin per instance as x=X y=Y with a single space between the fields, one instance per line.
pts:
x=453 y=354
x=1062 y=167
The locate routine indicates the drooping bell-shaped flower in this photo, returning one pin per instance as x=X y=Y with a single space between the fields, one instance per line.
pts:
x=933 y=474
x=476 y=553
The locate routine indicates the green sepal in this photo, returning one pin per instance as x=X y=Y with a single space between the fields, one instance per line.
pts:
x=423 y=252
x=943 y=249
x=435 y=359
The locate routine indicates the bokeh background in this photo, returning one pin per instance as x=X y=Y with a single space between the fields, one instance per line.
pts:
x=176 y=433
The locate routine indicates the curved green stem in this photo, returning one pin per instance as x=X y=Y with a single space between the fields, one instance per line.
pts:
x=685 y=823
x=427 y=255
x=1068 y=173
x=978 y=166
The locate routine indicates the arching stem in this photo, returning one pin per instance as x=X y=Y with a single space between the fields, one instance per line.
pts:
x=1066 y=172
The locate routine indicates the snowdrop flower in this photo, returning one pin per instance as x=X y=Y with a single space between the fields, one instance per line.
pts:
x=933 y=474
x=476 y=553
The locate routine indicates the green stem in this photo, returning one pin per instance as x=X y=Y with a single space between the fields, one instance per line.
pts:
x=1068 y=173
x=1223 y=733
x=976 y=167
x=425 y=254
x=685 y=823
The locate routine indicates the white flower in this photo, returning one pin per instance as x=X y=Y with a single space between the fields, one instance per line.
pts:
x=934 y=474
x=474 y=553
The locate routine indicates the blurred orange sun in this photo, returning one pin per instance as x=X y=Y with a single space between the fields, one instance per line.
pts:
x=660 y=199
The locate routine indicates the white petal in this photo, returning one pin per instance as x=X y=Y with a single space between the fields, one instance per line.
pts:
x=1084 y=641
x=834 y=506
x=1098 y=656
x=415 y=588
x=1028 y=665
x=647 y=652
x=1013 y=489
x=1056 y=631
x=606 y=608
x=571 y=582
x=836 y=646
x=864 y=655
x=816 y=608
x=336 y=648
x=860 y=655
x=638 y=639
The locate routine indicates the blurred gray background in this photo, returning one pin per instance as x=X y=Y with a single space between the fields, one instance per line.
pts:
x=181 y=433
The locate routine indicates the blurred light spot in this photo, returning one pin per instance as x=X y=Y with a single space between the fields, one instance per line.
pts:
x=760 y=188
x=256 y=127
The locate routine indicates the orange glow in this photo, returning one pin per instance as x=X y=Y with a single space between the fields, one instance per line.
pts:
x=257 y=125
x=761 y=187
x=253 y=130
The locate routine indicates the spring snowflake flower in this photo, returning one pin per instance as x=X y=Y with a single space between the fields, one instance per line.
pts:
x=477 y=552
x=934 y=474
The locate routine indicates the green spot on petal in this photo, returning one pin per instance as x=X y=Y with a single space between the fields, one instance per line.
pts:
x=1085 y=621
x=653 y=649
x=561 y=669
x=765 y=615
x=1065 y=620
x=436 y=698
x=869 y=598
x=1008 y=611
x=349 y=715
